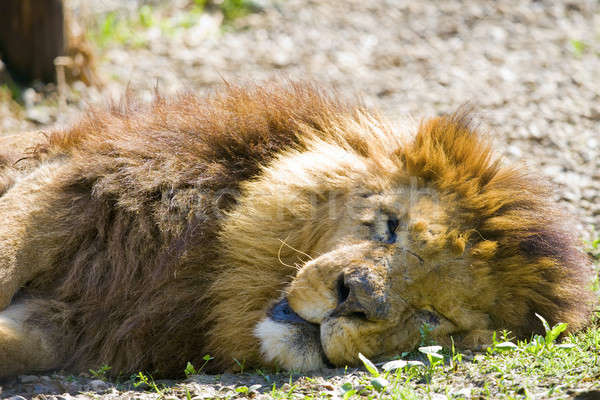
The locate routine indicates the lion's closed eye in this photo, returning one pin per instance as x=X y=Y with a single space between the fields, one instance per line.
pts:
x=385 y=229
x=392 y=226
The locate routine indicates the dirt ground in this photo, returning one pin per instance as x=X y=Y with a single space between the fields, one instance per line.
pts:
x=530 y=69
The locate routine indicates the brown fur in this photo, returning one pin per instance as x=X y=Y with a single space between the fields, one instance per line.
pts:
x=158 y=235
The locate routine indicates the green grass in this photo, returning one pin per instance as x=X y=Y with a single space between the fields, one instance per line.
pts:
x=130 y=30
x=233 y=9
x=191 y=370
x=544 y=367
x=113 y=29
x=593 y=247
x=578 y=47
x=100 y=373
x=10 y=90
x=10 y=97
x=532 y=369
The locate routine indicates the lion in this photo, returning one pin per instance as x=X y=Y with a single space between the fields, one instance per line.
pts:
x=271 y=225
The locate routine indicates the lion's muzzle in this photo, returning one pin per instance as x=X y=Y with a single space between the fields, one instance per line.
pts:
x=360 y=295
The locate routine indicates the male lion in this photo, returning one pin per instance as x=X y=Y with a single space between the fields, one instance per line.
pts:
x=273 y=225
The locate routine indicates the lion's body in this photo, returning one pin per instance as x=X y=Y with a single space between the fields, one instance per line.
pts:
x=146 y=237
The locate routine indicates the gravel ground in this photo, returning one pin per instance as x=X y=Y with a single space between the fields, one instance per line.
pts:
x=198 y=387
x=530 y=68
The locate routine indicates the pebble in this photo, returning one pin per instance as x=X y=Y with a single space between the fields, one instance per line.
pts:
x=65 y=396
x=98 y=384
x=29 y=378
x=515 y=151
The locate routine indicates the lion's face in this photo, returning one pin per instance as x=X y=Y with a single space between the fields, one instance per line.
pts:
x=387 y=274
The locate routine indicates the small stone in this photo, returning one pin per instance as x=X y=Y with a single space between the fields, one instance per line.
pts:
x=29 y=378
x=285 y=387
x=40 y=115
x=210 y=393
x=438 y=396
x=592 y=143
x=464 y=393
x=29 y=97
x=65 y=396
x=41 y=388
x=515 y=151
x=255 y=388
x=467 y=355
x=98 y=384
x=594 y=114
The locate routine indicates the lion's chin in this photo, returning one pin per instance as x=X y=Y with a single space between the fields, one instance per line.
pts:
x=288 y=341
x=292 y=346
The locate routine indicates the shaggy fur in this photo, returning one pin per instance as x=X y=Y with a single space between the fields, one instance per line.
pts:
x=148 y=236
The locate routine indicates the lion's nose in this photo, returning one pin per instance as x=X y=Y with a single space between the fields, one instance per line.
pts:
x=361 y=295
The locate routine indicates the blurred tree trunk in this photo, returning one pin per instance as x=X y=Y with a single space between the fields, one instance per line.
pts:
x=32 y=34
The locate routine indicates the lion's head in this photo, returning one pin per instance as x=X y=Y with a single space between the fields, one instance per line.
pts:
x=376 y=236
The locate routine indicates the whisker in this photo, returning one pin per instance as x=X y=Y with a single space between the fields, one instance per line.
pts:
x=283 y=243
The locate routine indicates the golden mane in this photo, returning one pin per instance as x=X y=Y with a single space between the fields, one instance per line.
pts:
x=511 y=222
